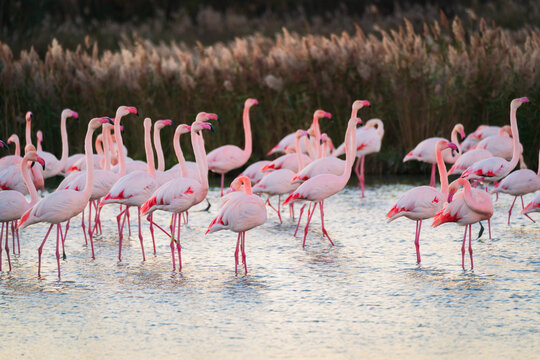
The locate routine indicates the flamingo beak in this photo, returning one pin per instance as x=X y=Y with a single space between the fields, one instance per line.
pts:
x=133 y=110
x=74 y=114
x=358 y=121
x=212 y=116
x=524 y=99
x=188 y=127
x=450 y=197
x=41 y=162
x=328 y=115
x=366 y=103
x=452 y=146
x=462 y=133
x=3 y=144
x=167 y=122
x=255 y=102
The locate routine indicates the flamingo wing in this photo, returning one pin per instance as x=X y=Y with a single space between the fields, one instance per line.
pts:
x=419 y=203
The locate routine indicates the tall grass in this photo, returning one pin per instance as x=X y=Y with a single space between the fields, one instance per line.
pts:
x=420 y=81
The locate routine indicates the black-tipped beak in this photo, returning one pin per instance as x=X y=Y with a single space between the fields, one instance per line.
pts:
x=3 y=144
x=212 y=128
x=321 y=141
x=111 y=121
x=42 y=164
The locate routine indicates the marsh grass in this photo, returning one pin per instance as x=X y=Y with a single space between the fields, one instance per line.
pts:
x=421 y=80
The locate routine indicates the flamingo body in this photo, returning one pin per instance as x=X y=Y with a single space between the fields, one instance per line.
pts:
x=468 y=159
x=420 y=203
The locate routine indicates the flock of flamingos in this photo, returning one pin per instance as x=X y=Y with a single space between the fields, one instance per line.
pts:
x=309 y=172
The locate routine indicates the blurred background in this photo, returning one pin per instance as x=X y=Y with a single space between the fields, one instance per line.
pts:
x=424 y=66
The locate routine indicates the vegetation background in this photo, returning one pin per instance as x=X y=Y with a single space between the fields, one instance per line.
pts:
x=424 y=66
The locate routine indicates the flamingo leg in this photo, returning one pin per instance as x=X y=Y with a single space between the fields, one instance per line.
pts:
x=120 y=232
x=417 y=240
x=7 y=244
x=511 y=207
x=463 y=249
x=243 y=236
x=433 y=171
x=291 y=209
x=1 y=237
x=179 y=247
x=152 y=232
x=84 y=228
x=489 y=228
x=363 y=158
x=523 y=207
x=325 y=233
x=222 y=182
x=356 y=169
x=310 y=215
x=40 y=249
x=299 y=218
x=273 y=208
x=140 y=233
x=64 y=238
x=470 y=247
x=90 y=230
x=171 y=226
x=13 y=235
x=236 y=255
x=18 y=239
x=128 y=222
x=58 y=248
x=149 y=219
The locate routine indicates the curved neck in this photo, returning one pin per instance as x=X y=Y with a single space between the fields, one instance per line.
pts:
x=38 y=147
x=159 y=149
x=149 y=151
x=299 y=154
x=538 y=163
x=247 y=187
x=28 y=132
x=475 y=203
x=515 y=138
x=454 y=139
x=442 y=171
x=119 y=145
x=65 y=145
x=179 y=154
x=350 y=151
x=317 y=143
x=247 y=132
x=89 y=163
x=197 y=142
x=99 y=142
x=28 y=182
x=17 y=145
x=106 y=149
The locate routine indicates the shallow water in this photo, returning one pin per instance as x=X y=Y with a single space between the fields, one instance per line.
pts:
x=365 y=297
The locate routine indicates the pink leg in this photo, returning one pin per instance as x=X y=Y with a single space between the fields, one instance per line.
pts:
x=510 y=211
x=84 y=228
x=7 y=244
x=291 y=210
x=463 y=249
x=243 y=236
x=172 y=227
x=58 y=248
x=470 y=247
x=325 y=233
x=433 y=171
x=523 y=207
x=363 y=158
x=273 y=208
x=1 y=237
x=356 y=171
x=417 y=240
x=222 y=183
x=128 y=223
x=140 y=233
x=489 y=228
x=90 y=230
x=236 y=255
x=152 y=232
x=18 y=239
x=310 y=215
x=40 y=249
x=13 y=235
x=299 y=218
x=64 y=238
x=179 y=247
x=120 y=231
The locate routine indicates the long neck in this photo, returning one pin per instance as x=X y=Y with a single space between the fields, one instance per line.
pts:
x=515 y=138
x=17 y=145
x=89 y=163
x=159 y=149
x=538 y=163
x=350 y=153
x=299 y=154
x=179 y=154
x=247 y=132
x=454 y=139
x=442 y=171
x=65 y=145
x=28 y=132
x=317 y=143
x=119 y=145
x=28 y=182
x=149 y=152
x=99 y=148
x=106 y=149
x=38 y=147
x=197 y=142
x=247 y=187
x=478 y=204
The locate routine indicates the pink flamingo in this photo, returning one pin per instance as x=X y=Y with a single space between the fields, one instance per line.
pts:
x=39 y=137
x=287 y=142
x=228 y=157
x=161 y=175
x=13 y=204
x=495 y=168
x=481 y=132
x=465 y=208
x=519 y=183
x=467 y=159
x=63 y=205
x=320 y=187
x=425 y=151
x=241 y=213
x=11 y=177
x=500 y=145
x=533 y=206
x=287 y=161
x=134 y=189
x=253 y=171
x=10 y=160
x=423 y=202
x=180 y=194
x=14 y=159
x=280 y=182
x=55 y=166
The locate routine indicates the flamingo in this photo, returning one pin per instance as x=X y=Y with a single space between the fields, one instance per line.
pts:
x=467 y=159
x=320 y=187
x=500 y=145
x=481 y=132
x=253 y=171
x=134 y=189
x=62 y=205
x=10 y=160
x=465 y=208
x=287 y=142
x=241 y=213
x=161 y=175
x=495 y=168
x=280 y=182
x=11 y=177
x=39 y=137
x=228 y=157
x=180 y=194
x=519 y=183
x=425 y=151
x=424 y=202
x=533 y=206
x=55 y=166
x=287 y=161
x=13 y=204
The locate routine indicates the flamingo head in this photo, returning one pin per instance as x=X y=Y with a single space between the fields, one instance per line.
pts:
x=204 y=116
x=3 y=144
x=183 y=129
x=321 y=113
x=443 y=144
x=250 y=102
x=300 y=133
x=39 y=135
x=324 y=138
x=34 y=157
x=358 y=104
x=160 y=124
x=69 y=113
x=198 y=126
x=13 y=138
x=125 y=110
x=517 y=102
x=29 y=116
x=97 y=122
x=461 y=129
